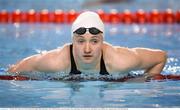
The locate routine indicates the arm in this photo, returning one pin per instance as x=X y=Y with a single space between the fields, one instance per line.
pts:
x=127 y=59
x=27 y=64
x=52 y=61
x=151 y=60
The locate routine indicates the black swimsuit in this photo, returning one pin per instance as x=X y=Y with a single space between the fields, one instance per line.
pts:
x=74 y=69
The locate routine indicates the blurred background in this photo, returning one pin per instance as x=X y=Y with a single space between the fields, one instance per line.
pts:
x=79 y=5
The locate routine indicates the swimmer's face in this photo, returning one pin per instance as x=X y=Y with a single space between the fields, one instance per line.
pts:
x=87 y=47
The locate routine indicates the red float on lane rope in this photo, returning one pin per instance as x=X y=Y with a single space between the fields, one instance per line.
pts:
x=164 y=77
x=127 y=17
x=4 y=16
x=9 y=77
x=71 y=16
x=178 y=16
x=169 y=17
x=140 y=16
x=17 y=16
x=155 y=17
x=114 y=17
x=58 y=16
x=102 y=15
x=31 y=16
x=44 y=16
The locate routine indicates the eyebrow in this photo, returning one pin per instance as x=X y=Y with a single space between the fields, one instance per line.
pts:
x=78 y=36
x=94 y=36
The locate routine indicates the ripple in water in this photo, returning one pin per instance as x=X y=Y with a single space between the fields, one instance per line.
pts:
x=79 y=77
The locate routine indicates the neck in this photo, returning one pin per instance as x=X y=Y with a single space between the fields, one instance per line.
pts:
x=88 y=67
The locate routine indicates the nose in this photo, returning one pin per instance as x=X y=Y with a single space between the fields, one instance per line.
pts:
x=87 y=48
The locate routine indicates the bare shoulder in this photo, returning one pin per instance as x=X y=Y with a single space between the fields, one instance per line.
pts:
x=119 y=58
x=56 y=53
x=109 y=49
x=56 y=60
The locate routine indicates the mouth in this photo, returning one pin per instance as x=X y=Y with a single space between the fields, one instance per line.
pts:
x=87 y=56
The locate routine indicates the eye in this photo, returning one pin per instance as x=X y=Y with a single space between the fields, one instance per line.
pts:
x=94 y=41
x=80 y=40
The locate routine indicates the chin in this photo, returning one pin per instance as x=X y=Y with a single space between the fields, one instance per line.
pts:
x=87 y=61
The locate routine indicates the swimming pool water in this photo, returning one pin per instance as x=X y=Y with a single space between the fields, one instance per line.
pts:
x=21 y=40
x=89 y=94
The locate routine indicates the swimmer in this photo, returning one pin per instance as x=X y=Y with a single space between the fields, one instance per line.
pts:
x=89 y=53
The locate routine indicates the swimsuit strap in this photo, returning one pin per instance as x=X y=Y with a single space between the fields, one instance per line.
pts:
x=103 y=70
x=73 y=65
x=74 y=69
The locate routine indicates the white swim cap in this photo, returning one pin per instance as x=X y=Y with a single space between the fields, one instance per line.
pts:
x=88 y=19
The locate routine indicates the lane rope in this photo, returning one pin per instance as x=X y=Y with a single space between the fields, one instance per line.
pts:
x=114 y=16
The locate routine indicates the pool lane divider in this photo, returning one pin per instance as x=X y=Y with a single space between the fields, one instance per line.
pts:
x=114 y=16
x=17 y=78
x=156 y=77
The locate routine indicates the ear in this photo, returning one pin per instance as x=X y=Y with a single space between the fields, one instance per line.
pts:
x=72 y=37
x=102 y=37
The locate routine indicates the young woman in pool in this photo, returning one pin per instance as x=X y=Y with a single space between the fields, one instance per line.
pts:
x=88 y=53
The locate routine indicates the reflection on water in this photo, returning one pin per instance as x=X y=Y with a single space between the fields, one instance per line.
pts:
x=61 y=76
x=89 y=94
